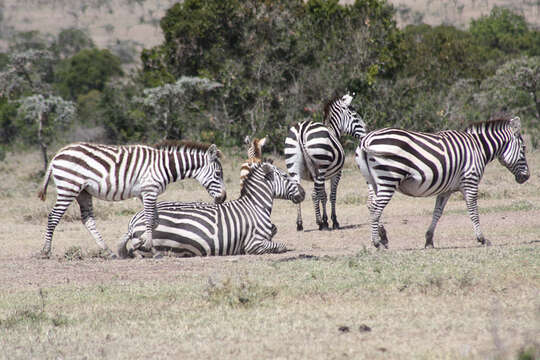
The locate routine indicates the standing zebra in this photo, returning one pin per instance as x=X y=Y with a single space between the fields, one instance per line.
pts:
x=314 y=152
x=114 y=173
x=241 y=226
x=422 y=164
x=254 y=152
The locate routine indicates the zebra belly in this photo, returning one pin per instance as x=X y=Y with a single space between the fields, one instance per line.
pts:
x=185 y=234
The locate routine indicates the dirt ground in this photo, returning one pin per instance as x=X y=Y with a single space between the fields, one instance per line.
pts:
x=509 y=215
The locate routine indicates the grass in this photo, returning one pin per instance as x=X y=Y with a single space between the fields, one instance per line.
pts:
x=300 y=308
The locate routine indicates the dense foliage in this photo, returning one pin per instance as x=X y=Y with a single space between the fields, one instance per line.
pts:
x=230 y=68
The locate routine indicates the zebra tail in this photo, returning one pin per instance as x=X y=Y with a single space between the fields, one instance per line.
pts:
x=123 y=251
x=312 y=167
x=42 y=193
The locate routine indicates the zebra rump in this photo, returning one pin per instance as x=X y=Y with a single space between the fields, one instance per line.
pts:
x=240 y=226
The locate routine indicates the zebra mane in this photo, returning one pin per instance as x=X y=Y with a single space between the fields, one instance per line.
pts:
x=174 y=145
x=496 y=122
x=327 y=106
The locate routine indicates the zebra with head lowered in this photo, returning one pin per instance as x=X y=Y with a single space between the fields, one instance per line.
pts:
x=113 y=173
x=314 y=152
x=423 y=164
x=241 y=226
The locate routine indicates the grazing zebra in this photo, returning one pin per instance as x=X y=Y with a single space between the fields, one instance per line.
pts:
x=422 y=164
x=254 y=155
x=313 y=152
x=241 y=226
x=114 y=173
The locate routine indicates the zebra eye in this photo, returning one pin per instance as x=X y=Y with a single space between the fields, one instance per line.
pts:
x=219 y=173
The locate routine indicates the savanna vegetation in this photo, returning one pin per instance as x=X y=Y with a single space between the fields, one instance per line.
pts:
x=230 y=68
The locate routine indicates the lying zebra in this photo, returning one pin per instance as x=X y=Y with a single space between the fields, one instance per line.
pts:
x=241 y=226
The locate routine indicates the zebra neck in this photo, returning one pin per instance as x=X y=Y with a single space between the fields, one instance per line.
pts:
x=178 y=165
x=259 y=196
x=490 y=146
x=334 y=128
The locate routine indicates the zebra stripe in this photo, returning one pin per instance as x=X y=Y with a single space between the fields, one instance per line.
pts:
x=254 y=156
x=422 y=164
x=83 y=170
x=241 y=226
x=314 y=152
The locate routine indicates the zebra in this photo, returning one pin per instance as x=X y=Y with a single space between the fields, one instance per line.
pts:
x=254 y=155
x=107 y=172
x=240 y=226
x=313 y=152
x=424 y=164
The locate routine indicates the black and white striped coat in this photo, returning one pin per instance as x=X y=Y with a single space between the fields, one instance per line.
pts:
x=83 y=170
x=423 y=164
x=241 y=226
x=313 y=152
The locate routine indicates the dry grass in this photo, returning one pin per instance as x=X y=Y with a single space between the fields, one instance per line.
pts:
x=332 y=297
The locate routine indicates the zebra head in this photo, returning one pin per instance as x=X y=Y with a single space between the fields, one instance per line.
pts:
x=211 y=175
x=343 y=118
x=512 y=155
x=284 y=186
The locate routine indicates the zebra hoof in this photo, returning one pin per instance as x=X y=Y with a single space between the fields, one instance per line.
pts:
x=335 y=225
x=484 y=242
x=299 y=227
x=429 y=245
x=43 y=255
x=324 y=226
x=383 y=236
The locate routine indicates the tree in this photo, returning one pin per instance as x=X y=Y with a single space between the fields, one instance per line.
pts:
x=275 y=58
x=502 y=29
x=89 y=69
x=167 y=107
x=27 y=71
x=515 y=88
x=71 y=41
x=47 y=116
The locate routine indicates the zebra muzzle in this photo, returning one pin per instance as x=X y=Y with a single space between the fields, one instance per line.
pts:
x=298 y=198
x=522 y=177
x=221 y=198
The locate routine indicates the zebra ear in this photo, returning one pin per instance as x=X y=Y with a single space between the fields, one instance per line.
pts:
x=213 y=152
x=247 y=140
x=268 y=171
x=262 y=142
x=515 y=125
x=347 y=98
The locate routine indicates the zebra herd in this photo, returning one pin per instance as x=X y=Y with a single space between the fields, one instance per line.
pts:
x=414 y=163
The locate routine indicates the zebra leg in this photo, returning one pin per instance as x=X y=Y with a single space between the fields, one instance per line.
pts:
x=440 y=203
x=258 y=245
x=149 y=200
x=273 y=230
x=319 y=195
x=382 y=231
x=299 y=226
x=87 y=217
x=471 y=198
x=376 y=207
x=333 y=195
x=59 y=209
